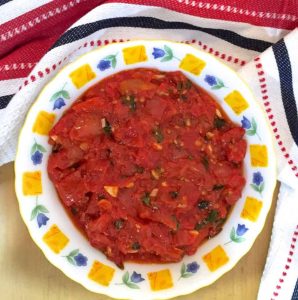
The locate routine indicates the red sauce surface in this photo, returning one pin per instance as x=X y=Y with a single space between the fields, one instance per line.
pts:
x=148 y=165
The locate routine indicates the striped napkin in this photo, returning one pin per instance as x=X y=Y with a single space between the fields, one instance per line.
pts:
x=256 y=38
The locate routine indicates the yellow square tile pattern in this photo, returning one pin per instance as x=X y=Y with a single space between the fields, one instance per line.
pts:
x=82 y=76
x=252 y=208
x=258 y=155
x=135 y=54
x=216 y=258
x=192 y=64
x=237 y=102
x=101 y=273
x=32 y=185
x=43 y=122
x=160 y=280
x=55 y=239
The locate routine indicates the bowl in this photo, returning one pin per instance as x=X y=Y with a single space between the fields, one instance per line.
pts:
x=51 y=228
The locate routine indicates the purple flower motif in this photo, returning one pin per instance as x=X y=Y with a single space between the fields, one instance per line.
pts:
x=81 y=260
x=136 y=278
x=42 y=219
x=245 y=123
x=158 y=53
x=104 y=64
x=211 y=80
x=59 y=102
x=37 y=157
x=192 y=267
x=257 y=178
x=241 y=229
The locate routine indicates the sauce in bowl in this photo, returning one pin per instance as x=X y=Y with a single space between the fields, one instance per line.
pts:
x=148 y=165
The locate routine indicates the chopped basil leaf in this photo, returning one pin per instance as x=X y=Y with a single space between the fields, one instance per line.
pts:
x=219 y=123
x=190 y=157
x=158 y=134
x=132 y=103
x=205 y=162
x=212 y=216
x=119 y=223
x=135 y=246
x=203 y=204
x=200 y=225
x=146 y=199
x=218 y=187
x=174 y=194
x=188 y=84
x=179 y=86
x=74 y=210
x=176 y=221
x=107 y=129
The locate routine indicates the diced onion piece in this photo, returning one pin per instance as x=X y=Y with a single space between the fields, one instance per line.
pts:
x=187 y=122
x=157 y=146
x=218 y=113
x=112 y=190
x=155 y=174
x=193 y=232
x=154 y=193
x=103 y=123
x=130 y=185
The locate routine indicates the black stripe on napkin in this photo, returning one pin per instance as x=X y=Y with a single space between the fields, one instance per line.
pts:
x=4 y=100
x=4 y=1
x=85 y=30
x=286 y=86
x=295 y=293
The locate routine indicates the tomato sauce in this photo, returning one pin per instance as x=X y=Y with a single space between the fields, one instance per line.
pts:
x=148 y=165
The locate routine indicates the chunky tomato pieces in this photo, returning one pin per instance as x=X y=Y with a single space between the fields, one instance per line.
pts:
x=148 y=165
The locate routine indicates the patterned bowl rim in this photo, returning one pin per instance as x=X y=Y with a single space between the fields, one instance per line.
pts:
x=252 y=99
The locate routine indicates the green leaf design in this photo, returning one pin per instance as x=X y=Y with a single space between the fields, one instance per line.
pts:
x=125 y=277
x=34 y=148
x=64 y=94
x=166 y=58
x=239 y=239
x=216 y=87
x=250 y=132
x=262 y=187
x=55 y=96
x=114 y=61
x=37 y=209
x=168 y=51
x=34 y=213
x=110 y=57
x=220 y=82
x=73 y=253
x=183 y=269
x=255 y=187
x=40 y=148
x=186 y=275
x=254 y=124
x=233 y=234
x=131 y=285
x=258 y=188
x=71 y=260
x=41 y=208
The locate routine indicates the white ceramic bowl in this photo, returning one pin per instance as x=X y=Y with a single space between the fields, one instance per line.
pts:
x=63 y=244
